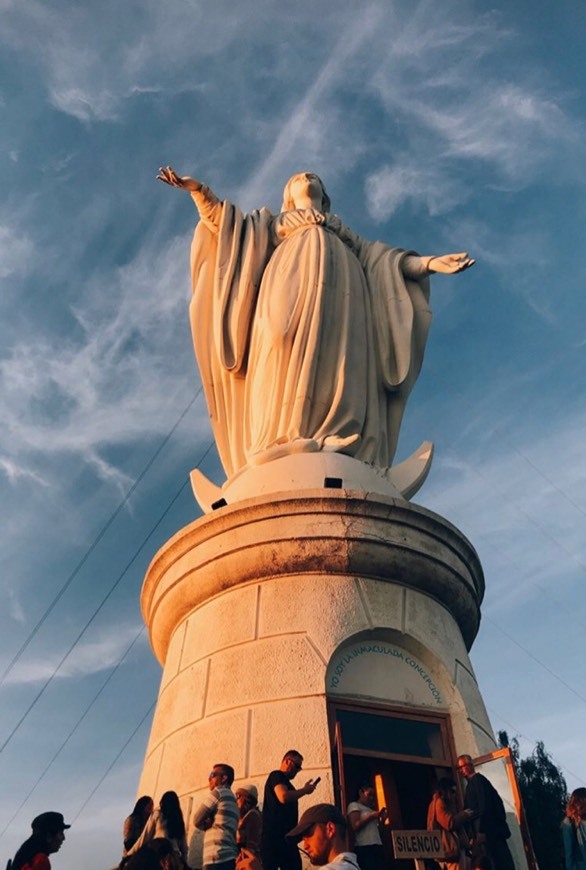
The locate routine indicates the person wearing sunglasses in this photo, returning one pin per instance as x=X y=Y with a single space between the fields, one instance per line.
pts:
x=218 y=816
x=280 y=813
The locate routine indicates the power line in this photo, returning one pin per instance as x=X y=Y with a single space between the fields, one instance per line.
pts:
x=95 y=542
x=500 y=434
x=110 y=676
x=110 y=521
x=537 y=660
x=48 y=682
x=531 y=740
x=526 y=651
x=109 y=768
x=511 y=638
x=71 y=648
x=530 y=519
x=545 y=593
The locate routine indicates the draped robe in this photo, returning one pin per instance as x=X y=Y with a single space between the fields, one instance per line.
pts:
x=306 y=335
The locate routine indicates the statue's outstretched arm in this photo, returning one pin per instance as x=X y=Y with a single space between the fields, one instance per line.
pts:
x=412 y=266
x=416 y=267
x=170 y=177
x=206 y=201
x=448 y=264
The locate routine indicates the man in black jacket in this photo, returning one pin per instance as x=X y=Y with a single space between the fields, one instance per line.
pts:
x=489 y=820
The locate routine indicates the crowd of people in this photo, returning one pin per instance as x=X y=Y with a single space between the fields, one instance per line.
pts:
x=239 y=836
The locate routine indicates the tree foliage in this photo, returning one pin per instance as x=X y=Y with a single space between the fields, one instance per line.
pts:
x=545 y=794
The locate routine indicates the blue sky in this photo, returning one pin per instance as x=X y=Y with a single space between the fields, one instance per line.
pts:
x=440 y=127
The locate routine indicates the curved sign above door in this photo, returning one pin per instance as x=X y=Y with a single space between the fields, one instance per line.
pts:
x=378 y=669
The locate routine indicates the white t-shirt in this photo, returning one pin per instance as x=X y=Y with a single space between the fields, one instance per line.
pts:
x=368 y=835
x=343 y=861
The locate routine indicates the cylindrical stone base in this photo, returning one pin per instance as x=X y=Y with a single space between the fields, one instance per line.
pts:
x=250 y=610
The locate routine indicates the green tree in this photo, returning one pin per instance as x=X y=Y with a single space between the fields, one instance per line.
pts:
x=545 y=794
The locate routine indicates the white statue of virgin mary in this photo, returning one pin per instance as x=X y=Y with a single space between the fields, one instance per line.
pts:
x=308 y=337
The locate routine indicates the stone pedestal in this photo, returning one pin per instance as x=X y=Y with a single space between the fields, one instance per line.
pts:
x=250 y=609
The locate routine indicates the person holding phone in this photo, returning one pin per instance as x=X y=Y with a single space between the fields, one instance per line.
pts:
x=280 y=813
x=364 y=819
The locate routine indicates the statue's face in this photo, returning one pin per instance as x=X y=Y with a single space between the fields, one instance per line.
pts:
x=303 y=186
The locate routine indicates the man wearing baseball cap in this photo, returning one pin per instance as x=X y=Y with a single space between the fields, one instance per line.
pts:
x=322 y=835
x=47 y=837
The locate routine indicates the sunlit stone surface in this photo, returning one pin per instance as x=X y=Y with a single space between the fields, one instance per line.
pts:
x=252 y=608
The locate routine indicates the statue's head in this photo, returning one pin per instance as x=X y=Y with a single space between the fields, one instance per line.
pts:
x=313 y=179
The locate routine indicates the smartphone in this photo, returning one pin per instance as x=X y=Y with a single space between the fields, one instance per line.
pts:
x=315 y=781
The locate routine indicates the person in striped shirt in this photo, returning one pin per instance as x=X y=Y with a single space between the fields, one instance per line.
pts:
x=218 y=816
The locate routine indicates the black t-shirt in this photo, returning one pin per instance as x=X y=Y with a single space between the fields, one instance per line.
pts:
x=277 y=818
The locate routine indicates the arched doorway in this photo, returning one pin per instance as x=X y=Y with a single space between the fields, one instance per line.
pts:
x=401 y=751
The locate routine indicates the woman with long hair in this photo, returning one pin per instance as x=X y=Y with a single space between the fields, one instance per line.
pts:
x=166 y=821
x=443 y=815
x=574 y=831
x=135 y=822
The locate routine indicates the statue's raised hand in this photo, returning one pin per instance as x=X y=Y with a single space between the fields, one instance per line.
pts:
x=449 y=264
x=170 y=177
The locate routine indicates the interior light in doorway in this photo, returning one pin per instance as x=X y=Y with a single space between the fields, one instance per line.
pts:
x=380 y=796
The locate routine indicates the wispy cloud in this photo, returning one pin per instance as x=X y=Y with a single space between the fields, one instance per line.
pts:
x=309 y=122
x=160 y=51
x=15 y=607
x=432 y=110
x=527 y=242
x=514 y=132
x=468 y=112
x=88 y=657
x=526 y=524
x=107 y=384
x=15 y=251
x=426 y=185
x=15 y=472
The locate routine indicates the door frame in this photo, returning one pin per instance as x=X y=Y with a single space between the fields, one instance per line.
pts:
x=420 y=714
x=506 y=754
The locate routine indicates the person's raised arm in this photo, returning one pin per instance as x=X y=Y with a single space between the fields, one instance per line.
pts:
x=206 y=201
x=357 y=823
x=288 y=795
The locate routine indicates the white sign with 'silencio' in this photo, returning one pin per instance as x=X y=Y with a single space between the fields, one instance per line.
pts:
x=417 y=844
